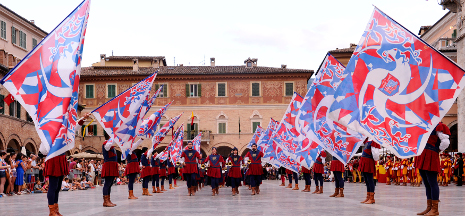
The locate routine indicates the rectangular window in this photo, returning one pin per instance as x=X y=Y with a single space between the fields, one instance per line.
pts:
x=191 y=134
x=22 y=39
x=18 y=109
x=111 y=91
x=2 y=104
x=164 y=91
x=89 y=91
x=91 y=130
x=454 y=34
x=254 y=126
x=13 y=35
x=34 y=42
x=222 y=128
x=221 y=89
x=15 y=109
x=255 y=89
x=3 y=30
x=194 y=90
x=289 y=89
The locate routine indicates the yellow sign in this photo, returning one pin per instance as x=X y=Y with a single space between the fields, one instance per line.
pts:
x=254 y=155
x=235 y=159
x=190 y=154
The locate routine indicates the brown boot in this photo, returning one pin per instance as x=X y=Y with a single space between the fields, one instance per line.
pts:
x=257 y=189
x=217 y=191
x=143 y=191
x=336 y=192
x=53 y=210
x=163 y=188
x=106 y=201
x=434 y=208
x=213 y=191
x=321 y=190
x=175 y=185
x=296 y=187
x=171 y=186
x=341 y=193
x=404 y=184
x=147 y=193
x=233 y=190
x=429 y=203
x=282 y=184
x=237 y=190
x=109 y=200
x=154 y=190
x=289 y=185
x=316 y=190
x=193 y=190
x=58 y=210
x=368 y=198
x=131 y=195
x=253 y=190
x=158 y=190
x=372 y=199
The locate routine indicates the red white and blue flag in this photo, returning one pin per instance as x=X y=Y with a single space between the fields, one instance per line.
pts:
x=160 y=135
x=146 y=105
x=312 y=121
x=397 y=87
x=176 y=147
x=196 y=142
x=163 y=155
x=46 y=82
x=149 y=125
x=120 y=117
x=264 y=142
x=256 y=136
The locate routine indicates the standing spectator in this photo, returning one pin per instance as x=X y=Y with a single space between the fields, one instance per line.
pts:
x=72 y=167
x=459 y=168
x=91 y=170
x=3 y=167
x=21 y=167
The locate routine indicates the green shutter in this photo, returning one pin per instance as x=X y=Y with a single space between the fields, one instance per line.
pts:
x=165 y=90
x=2 y=104
x=13 y=35
x=89 y=91
x=95 y=130
x=188 y=130
x=157 y=86
x=255 y=125
x=187 y=90
x=199 y=90
x=255 y=89
x=18 y=110
x=12 y=109
x=82 y=130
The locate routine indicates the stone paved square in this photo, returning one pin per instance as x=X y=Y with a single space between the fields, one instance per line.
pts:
x=273 y=200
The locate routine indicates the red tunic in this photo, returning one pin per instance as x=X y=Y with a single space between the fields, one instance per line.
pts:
x=57 y=166
x=255 y=167
x=155 y=166
x=367 y=163
x=429 y=158
x=133 y=165
x=215 y=168
x=288 y=172
x=163 y=169
x=190 y=161
x=110 y=166
x=337 y=165
x=147 y=170
x=171 y=168
x=305 y=170
x=235 y=170
x=318 y=167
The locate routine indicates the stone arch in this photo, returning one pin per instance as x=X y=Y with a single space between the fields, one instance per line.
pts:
x=453 y=138
x=30 y=148
x=244 y=152
x=243 y=149
x=90 y=149
x=256 y=114
x=16 y=137
x=32 y=142
x=222 y=116
x=452 y=123
x=222 y=148
x=2 y=142
x=13 y=146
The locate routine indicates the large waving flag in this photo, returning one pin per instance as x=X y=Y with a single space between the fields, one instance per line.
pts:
x=312 y=122
x=264 y=142
x=196 y=142
x=120 y=116
x=397 y=87
x=160 y=135
x=146 y=105
x=46 y=82
x=149 y=125
x=176 y=148
x=256 y=136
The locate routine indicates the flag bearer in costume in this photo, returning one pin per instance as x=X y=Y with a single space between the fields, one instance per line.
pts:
x=214 y=171
x=190 y=159
x=404 y=169
x=282 y=172
x=446 y=167
x=397 y=167
x=201 y=174
x=356 y=172
x=146 y=172
x=55 y=169
x=163 y=174
x=235 y=171
x=109 y=169
x=308 y=179
x=388 y=168
x=155 y=163
x=318 y=171
x=428 y=163
x=337 y=167
x=255 y=170
x=171 y=172
x=370 y=154
x=132 y=169
x=289 y=178
x=295 y=176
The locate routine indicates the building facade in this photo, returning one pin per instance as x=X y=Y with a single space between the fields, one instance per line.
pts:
x=228 y=102
x=18 y=36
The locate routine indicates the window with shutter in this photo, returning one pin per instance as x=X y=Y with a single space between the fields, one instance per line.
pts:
x=111 y=91
x=3 y=29
x=95 y=130
x=165 y=90
x=34 y=42
x=89 y=91
x=255 y=89
x=199 y=90
x=22 y=39
x=187 y=90
x=13 y=35
x=221 y=89
x=194 y=90
x=18 y=110
x=289 y=89
x=221 y=128
x=12 y=109
x=2 y=104
x=254 y=126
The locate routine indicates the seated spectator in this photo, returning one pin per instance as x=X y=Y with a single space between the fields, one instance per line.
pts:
x=38 y=187
x=78 y=185
x=86 y=184
x=45 y=187
x=65 y=186
x=118 y=181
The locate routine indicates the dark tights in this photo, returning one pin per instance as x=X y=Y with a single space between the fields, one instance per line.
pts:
x=170 y=178
x=318 y=177
x=132 y=178
x=338 y=179
x=163 y=180
x=369 y=181
x=54 y=187
x=145 y=182
x=156 y=180
x=190 y=179
x=431 y=184
x=235 y=182
x=107 y=186
x=255 y=180
x=289 y=178
x=215 y=182
x=308 y=179
x=296 y=178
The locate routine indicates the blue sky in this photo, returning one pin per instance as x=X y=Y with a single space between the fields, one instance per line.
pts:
x=296 y=33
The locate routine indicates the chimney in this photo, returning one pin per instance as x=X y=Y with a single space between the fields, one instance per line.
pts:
x=212 y=62
x=181 y=65
x=135 y=66
x=283 y=66
x=156 y=63
x=352 y=45
x=33 y=22
x=102 y=59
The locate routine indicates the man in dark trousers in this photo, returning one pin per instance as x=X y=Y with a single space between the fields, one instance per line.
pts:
x=459 y=168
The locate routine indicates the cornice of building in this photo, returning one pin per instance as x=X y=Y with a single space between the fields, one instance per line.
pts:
x=18 y=18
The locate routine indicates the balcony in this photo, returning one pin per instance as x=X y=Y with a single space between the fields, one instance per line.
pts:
x=190 y=136
x=445 y=44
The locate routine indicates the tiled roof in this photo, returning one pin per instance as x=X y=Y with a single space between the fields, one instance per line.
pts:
x=27 y=21
x=186 y=70
x=351 y=50
x=134 y=57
